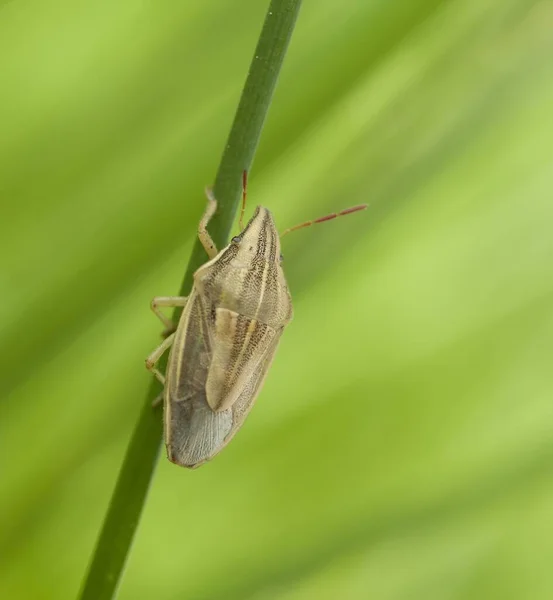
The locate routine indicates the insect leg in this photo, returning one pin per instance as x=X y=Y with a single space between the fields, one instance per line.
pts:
x=156 y=355
x=169 y=301
x=157 y=400
x=203 y=234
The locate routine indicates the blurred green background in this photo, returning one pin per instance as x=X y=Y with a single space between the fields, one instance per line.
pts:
x=402 y=447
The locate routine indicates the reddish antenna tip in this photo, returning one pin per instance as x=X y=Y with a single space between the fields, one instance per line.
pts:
x=347 y=211
x=329 y=217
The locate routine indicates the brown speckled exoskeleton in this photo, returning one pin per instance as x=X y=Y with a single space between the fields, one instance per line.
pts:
x=226 y=337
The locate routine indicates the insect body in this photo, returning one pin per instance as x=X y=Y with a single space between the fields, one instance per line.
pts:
x=225 y=340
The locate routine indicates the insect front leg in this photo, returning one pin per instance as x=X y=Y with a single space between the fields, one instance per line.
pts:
x=167 y=301
x=156 y=355
x=203 y=234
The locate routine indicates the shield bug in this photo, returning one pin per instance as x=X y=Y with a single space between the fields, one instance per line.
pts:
x=226 y=337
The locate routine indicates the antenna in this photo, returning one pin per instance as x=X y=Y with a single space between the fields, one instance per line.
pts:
x=346 y=211
x=244 y=192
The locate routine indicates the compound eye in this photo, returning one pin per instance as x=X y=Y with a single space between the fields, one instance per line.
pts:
x=235 y=239
x=281 y=258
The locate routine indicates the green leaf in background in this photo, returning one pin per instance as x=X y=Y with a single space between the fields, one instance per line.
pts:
x=402 y=447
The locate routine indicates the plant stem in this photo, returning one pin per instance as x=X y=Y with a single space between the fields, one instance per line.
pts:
x=138 y=467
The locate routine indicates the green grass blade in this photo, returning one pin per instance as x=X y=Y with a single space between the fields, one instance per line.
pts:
x=131 y=490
